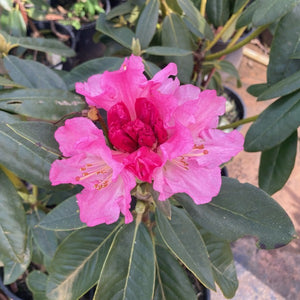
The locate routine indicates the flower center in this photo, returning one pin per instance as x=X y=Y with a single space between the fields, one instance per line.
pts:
x=98 y=173
x=146 y=130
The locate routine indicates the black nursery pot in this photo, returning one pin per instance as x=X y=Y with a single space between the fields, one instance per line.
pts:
x=238 y=105
x=85 y=47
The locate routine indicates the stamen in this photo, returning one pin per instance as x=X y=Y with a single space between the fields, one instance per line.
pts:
x=101 y=171
x=181 y=162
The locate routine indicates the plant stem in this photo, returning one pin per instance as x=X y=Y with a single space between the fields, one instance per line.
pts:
x=203 y=7
x=237 y=35
x=238 y=123
x=238 y=45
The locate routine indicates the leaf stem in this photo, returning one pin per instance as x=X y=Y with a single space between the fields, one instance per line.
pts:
x=238 y=123
x=203 y=7
x=238 y=45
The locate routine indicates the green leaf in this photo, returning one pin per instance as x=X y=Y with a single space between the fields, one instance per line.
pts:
x=277 y=164
x=218 y=12
x=228 y=67
x=92 y=67
x=240 y=210
x=281 y=65
x=25 y=157
x=13 y=270
x=185 y=242
x=282 y=87
x=9 y=83
x=194 y=20
x=269 y=11
x=129 y=269
x=147 y=22
x=222 y=263
x=17 y=26
x=173 y=282
x=119 y=10
x=45 y=104
x=6 y=4
x=274 y=124
x=150 y=68
x=78 y=261
x=13 y=228
x=45 y=240
x=175 y=34
x=40 y=44
x=63 y=217
x=39 y=133
x=32 y=74
x=8 y=118
x=247 y=15
x=257 y=89
x=167 y=51
x=295 y=55
x=122 y=35
x=36 y=282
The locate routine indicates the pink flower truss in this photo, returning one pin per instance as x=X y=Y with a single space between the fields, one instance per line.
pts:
x=161 y=132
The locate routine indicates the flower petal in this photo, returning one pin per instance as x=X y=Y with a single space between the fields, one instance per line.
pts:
x=201 y=184
x=76 y=135
x=104 y=206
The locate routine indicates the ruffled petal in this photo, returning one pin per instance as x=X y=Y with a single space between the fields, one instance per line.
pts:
x=201 y=113
x=124 y=85
x=201 y=184
x=220 y=146
x=76 y=135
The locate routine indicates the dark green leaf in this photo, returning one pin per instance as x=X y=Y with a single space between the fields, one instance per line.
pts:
x=13 y=228
x=129 y=269
x=92 y=67
x=222 y=263
x=8 y=83
x=121 y=9
x=150 y=68
x=63 y=217
x=228 y=67
x=13 y=270
x=23 y=156
x=147 y=22
x=39 y=133
x=173 y=282
x=238 y=4
x=194 y=20
x=122 y=35
x=269 y=11
x=257 y=89
x=295 y=55
x=218 y=12
x=239 y=210
x=32 y=74
x=185 y=242
x=36 y=282
x=167 y=51
x=40 y=44
x=17 y=26
x=275 y=124
x=50 y=104
x=45 y=240
x=277 y=164
x=247 y=15
x=8 y=118
x=78 y=261
x=175 y=34
x=282 y=87
x=285 y=43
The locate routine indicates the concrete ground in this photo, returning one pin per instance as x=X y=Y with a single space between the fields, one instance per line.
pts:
x=263 y=274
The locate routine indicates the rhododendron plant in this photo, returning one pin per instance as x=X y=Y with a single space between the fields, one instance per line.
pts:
x=160 y=131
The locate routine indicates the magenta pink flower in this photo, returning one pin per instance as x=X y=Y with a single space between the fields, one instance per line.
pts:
x=90 y=162
x=165 y=132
